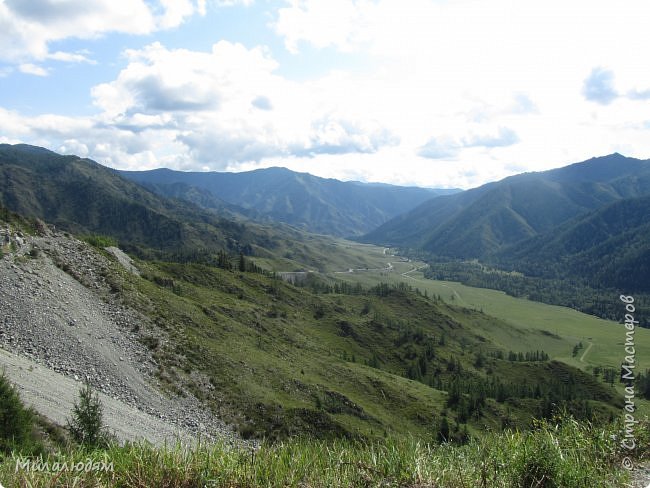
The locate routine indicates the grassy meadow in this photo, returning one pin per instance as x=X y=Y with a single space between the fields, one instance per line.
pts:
x=524 y=324
x=561 y=453
x=606 y=337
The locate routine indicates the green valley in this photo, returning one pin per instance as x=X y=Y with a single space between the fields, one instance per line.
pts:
x=324 y=244
x=283 y=334
x=524 y=324
x=524 y=315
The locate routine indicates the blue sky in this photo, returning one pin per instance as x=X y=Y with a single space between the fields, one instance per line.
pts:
x=436 y=93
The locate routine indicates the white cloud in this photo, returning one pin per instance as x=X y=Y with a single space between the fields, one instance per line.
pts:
x=32 y=69
x=639 y=94
x=323 y=23
x=28 y=27
x=439 y=148
x=71 y=57
x=232 y=3
x=449 y=53
x=523 y=104
x=214 y=109
x=73 y=146
x=87 y=136
x=336 y=135
x=452 y=76
x=176 y=11
x=444 y=147
x=228 y=106
x=262 y=102
x=447 y=93
x=503 y=137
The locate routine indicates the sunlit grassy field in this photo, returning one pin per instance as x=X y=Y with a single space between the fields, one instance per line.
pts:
x=562 y=328
x=605 y=337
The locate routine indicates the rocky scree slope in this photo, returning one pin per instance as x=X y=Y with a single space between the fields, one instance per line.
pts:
x=58 y=311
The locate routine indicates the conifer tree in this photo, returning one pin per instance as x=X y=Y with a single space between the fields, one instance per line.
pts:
x=86 y=424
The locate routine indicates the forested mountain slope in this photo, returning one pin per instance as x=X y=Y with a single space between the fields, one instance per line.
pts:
x=485 y=220
x=320 y=205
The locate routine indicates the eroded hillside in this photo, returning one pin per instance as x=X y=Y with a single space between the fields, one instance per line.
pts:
x=62 y=324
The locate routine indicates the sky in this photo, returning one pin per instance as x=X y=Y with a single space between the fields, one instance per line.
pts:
x=436 y=93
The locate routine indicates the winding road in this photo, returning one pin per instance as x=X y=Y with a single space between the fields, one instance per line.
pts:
x=582 y=358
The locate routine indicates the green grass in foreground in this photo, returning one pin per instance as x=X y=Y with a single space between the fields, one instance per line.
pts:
x=563 y=453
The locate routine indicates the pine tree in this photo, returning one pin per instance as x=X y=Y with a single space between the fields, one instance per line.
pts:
x=86 y=424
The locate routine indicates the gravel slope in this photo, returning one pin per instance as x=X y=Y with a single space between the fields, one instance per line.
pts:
x=641 y=476
x=53 y=395
x=72 y=329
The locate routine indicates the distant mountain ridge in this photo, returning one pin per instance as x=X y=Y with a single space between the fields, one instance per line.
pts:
x=587 y=221
x=83 y=196
x=609 y=246
x=483 y=221
x=319 y=205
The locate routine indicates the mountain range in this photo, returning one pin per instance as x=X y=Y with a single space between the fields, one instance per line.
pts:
x=84 y=197
x=576 y=236
x=319 y=205
x=586 y=220
x=482 y=221
x=610 y=245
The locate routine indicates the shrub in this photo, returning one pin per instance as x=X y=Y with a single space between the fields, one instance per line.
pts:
x=150 y=341
x=16 y=421
x=99 y=241
x=540 y=469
